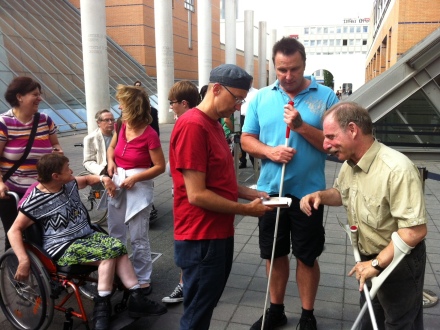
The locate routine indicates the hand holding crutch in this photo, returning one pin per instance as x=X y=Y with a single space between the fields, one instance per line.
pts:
x=277 y=219
x=401 y=249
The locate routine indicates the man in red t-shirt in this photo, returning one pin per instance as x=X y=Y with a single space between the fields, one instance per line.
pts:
x=206 y=195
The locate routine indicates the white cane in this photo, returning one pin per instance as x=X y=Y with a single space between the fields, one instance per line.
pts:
x=277 y=219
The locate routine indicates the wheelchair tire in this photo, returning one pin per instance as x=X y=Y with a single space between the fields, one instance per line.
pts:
x=91 y=204
x=27 y=305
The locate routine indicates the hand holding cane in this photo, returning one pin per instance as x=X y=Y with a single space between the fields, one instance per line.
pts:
x=283 y=169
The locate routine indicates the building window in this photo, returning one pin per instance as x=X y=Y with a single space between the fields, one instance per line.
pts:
x=345 y=29
x=331 y=42
x=319 y=30
x=306 y=30
x=351 y=29
x=318 y=42
x=325 y=42
x=312 y=42
x=351 y=42
x=313 y=30
x=331 y=30
x=364 y=42
x=344 y=42
x=306 y=43
x=338 y=29
x=325 y=30
x=358 y=42
x=358 y=29
x=338 y=42
x=365 y=28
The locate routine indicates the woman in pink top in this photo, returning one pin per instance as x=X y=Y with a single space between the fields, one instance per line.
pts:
x=130 y=158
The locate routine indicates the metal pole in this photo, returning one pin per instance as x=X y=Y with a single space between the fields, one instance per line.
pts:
x=428 y=296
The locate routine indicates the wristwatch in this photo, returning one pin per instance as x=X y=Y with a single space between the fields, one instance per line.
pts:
x=375 y=264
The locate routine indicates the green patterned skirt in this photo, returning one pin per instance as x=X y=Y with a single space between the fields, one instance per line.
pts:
x=98 y=246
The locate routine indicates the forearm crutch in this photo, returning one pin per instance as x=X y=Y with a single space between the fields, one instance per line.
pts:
x=353 y=236
x=401 y=249
x=277 y=219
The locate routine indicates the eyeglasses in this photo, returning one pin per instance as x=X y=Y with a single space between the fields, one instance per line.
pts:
x=237 y=100
x=109 y=120
x=172 y=102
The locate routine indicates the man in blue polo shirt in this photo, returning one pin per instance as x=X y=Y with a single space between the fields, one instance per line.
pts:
x=264 y=137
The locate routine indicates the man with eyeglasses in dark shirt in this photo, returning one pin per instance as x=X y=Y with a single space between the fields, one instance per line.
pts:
x=97 y=142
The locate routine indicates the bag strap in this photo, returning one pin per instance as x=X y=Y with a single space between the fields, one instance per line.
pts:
x=27 y=150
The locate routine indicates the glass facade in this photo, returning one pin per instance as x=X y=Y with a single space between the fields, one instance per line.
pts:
x=42 y=39
x=413 y=123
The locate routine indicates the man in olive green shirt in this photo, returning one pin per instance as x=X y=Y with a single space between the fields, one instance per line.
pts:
x=382 y=192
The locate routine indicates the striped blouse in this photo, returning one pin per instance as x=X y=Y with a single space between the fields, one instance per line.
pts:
x=16 y=134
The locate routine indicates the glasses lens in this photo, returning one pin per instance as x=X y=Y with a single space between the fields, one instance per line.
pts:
x=172 y=102
x=108 y=120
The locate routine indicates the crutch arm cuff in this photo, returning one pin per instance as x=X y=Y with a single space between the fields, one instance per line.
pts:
x=400 y=243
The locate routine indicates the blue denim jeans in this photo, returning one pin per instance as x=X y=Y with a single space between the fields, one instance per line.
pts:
x=205 y=265
x=399 y=302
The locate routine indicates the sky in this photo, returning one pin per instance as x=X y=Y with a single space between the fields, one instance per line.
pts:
x=279 y=13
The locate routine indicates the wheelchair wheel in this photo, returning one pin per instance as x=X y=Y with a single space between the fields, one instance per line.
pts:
x=91 y=201
x=27 y=305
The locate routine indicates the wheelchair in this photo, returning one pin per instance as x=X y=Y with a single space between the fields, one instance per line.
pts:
x=31 y=304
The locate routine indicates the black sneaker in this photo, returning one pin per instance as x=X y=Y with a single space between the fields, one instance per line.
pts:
x=307 y=323
x=271 y=321
x=101 y=313
x=147 y=290
x=175 y=297
x=139 y=305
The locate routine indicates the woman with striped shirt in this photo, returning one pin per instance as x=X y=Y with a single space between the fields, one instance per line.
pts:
x=24 y=96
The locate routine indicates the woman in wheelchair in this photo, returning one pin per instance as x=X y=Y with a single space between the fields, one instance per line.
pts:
x=54 y=205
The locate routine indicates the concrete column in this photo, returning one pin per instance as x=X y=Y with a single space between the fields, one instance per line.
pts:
x=163 y=22
x=94 y=43
x=262 y=49
x=273 y=40
x=230 y=32
x=204 y=32
x=249 y=41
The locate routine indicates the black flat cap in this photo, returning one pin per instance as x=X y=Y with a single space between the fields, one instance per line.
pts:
x=231 y=75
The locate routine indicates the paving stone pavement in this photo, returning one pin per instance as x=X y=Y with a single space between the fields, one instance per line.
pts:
x=242 y=302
